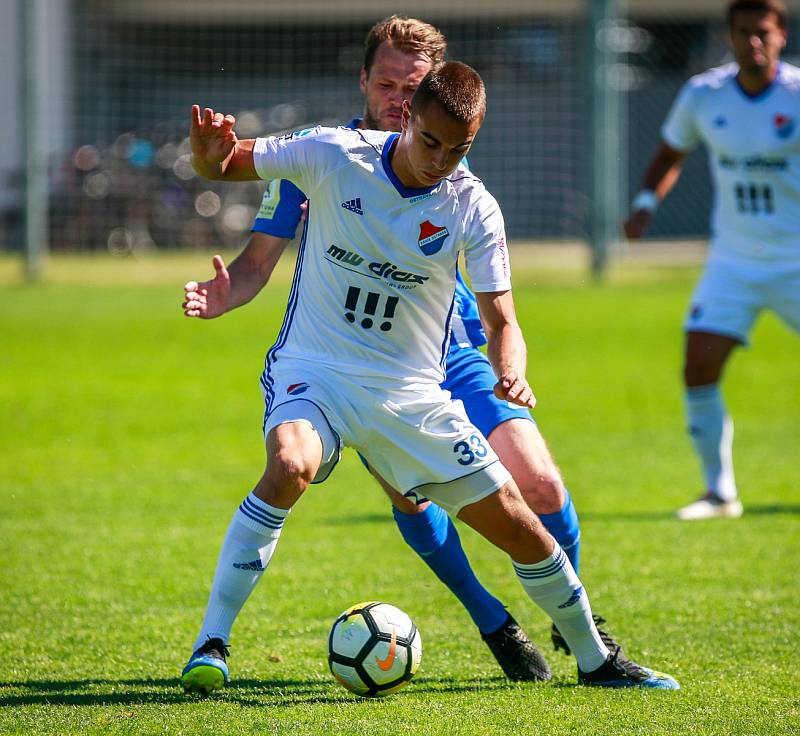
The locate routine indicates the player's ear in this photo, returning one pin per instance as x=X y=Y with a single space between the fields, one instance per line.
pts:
x=362 y=81
x=406 y=115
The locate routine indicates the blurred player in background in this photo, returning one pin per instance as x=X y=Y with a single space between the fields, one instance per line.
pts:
x=398 y=54
x=748 y=115
x=361 y=353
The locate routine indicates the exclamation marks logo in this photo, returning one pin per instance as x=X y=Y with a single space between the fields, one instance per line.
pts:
x=351 y=303
x=388 y=313
x=370 y=309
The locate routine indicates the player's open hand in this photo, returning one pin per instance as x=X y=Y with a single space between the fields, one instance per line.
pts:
x=209 y=299
x=637 y=223
x=515 y=389
x=211 y=135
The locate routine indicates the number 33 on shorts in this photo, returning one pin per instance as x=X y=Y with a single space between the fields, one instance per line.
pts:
x=469 y=450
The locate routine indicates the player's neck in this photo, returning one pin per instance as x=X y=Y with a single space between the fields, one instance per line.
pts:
x=756 y=82
x=399 y=163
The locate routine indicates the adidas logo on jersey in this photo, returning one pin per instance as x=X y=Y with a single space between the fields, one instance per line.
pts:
x=354 y=205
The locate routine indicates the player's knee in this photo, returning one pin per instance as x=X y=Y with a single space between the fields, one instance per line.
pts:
x=543 y=491
x=699 y=372
x=525 y=535
x=287 y=467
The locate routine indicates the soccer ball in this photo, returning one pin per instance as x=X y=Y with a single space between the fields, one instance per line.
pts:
x=374 y=649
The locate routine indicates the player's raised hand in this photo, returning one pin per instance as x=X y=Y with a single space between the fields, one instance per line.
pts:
x=211 y=135
x=637 y=223
x=515 y=389
x=209 y=299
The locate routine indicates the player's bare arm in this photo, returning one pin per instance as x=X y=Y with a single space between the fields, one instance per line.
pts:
x=237 y=284
x=216 y=151
x=661 y=175
x=506 y=348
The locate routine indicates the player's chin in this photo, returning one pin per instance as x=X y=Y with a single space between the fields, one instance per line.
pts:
x=391 y=123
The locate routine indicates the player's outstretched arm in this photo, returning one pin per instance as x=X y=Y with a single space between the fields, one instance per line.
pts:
x=237 y=284
x=216 y=151
x=661 y=174
x=506 y=348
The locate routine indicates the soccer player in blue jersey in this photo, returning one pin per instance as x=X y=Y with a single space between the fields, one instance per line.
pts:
x=360 y=357
x=748 y=115
x=398 y=53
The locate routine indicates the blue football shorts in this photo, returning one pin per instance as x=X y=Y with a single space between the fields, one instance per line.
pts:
x=471 y=379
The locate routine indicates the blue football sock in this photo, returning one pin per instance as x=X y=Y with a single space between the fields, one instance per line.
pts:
x=432 y=535
x=566 y=530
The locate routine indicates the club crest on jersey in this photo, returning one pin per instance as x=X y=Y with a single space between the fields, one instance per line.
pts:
x=431 y=237
x=297 y=388
x=784 y=125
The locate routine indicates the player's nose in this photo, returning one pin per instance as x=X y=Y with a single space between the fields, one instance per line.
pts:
x=439 y=160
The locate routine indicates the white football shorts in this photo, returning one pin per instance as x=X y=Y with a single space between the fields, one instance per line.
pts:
x=418 y=439
x=732 y=292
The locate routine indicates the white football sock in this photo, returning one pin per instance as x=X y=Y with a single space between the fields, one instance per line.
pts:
x=246 y=552
x=553 y=585
x=711 y=430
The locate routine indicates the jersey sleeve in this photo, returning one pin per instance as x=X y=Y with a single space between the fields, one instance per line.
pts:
x=486 y=252
x=680 y=130
x=303 y=157
x=280 y=210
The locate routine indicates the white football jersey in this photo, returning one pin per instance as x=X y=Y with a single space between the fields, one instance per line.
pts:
x=754 y=152
x=376 y=272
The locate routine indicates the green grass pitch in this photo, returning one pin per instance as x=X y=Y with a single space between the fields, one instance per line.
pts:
x=128 y=435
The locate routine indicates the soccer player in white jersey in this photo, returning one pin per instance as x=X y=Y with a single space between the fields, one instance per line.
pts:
x=398 y=52
x=748 y=115
x=359 y=358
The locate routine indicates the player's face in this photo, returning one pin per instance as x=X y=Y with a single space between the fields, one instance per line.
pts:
x=757 y=40
x=393 y=78
x=433 y=144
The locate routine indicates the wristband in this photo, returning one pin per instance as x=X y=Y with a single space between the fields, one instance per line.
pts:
x=647 y=199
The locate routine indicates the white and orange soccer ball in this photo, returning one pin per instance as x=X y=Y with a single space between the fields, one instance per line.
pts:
x=374 y=649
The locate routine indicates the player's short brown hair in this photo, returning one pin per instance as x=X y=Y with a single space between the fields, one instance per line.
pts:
x=759 y=6
x=458 y=88
x=410 y=35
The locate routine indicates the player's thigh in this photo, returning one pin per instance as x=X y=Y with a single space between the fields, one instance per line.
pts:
x=399 y=501
x=521 y=448
x=302 y=429
x=505 y=520
x=471 y=380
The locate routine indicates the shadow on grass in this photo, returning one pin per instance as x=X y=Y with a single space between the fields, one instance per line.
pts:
x=245 y=692
x=762 y=510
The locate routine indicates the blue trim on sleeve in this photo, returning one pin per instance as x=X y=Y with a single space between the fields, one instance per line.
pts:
x=284 y=221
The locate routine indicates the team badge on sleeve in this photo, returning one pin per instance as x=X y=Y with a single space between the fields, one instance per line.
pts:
x=431 y=237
